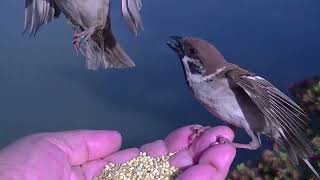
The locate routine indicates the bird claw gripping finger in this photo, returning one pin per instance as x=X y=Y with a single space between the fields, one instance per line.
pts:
x=197 y=132
x=222 y=140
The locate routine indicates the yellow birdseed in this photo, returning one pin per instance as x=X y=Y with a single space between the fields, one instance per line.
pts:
x=143 y=167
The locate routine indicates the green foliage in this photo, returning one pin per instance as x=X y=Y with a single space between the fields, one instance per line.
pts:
x=307 y=95
x=283 y=156
x=241 y=167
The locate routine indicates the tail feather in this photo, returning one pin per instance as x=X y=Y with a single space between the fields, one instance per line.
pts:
x=131 y=14
x=117 y=58
x=102 y=50
x=312 y=168
x=303 y=151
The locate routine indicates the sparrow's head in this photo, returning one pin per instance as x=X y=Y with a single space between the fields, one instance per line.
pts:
x=198 y=56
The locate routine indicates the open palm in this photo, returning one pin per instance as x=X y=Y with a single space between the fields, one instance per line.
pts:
x=77 y=155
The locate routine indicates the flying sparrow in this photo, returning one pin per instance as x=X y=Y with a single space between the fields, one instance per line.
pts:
x=91 y=25
x=243 y=99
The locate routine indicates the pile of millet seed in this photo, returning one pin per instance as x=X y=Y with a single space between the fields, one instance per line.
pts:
x=143 y=167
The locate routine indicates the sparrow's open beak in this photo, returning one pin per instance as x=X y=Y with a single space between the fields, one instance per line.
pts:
x=177 y=46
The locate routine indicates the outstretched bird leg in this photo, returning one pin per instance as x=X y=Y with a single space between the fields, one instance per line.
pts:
x=243 y=146
x=84 y=35
x=251 y=146
x=199 y=130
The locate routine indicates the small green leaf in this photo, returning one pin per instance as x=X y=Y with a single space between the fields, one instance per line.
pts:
x=241 y=167
x=283 y=156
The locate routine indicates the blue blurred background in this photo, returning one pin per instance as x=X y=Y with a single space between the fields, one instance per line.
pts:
x=44 y=85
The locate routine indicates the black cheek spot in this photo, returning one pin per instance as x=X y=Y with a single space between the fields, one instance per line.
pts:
x=193 y=51
x=194 y=69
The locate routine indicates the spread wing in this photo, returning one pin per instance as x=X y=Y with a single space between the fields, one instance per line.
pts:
x=131 y=14
x=285 y=116
x=39 y=12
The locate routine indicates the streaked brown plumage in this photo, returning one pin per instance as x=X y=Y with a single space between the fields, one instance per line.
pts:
x=92 y=26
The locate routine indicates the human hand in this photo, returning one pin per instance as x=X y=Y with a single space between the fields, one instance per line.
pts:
x=78 y=155
x=57 y=156
x=204 y=159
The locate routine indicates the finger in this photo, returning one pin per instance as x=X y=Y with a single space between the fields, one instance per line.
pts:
x=76 y=173
x=179 y=139
x=198 y=172
x=220 y=157
x=122 y=156
x=84 y=145
x=208 y=138
x=189 y=157
x=155 y=149
x=176 y=141
x=93 y=168
x=182 y=160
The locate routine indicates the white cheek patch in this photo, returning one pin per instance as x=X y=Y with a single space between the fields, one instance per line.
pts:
x=198 y=78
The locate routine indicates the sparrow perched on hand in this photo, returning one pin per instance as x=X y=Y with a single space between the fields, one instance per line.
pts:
x=91 y=25
x=243 y=99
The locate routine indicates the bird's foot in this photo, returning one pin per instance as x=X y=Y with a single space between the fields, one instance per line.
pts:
x=222 y=140
x=76 y=45
x=197 y=132
x=250 y=146
x=82 y=36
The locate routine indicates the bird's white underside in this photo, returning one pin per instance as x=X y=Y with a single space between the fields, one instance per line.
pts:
x=78 y=11
x=216 y=96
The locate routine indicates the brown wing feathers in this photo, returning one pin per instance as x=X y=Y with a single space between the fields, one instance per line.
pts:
x=280 y=111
